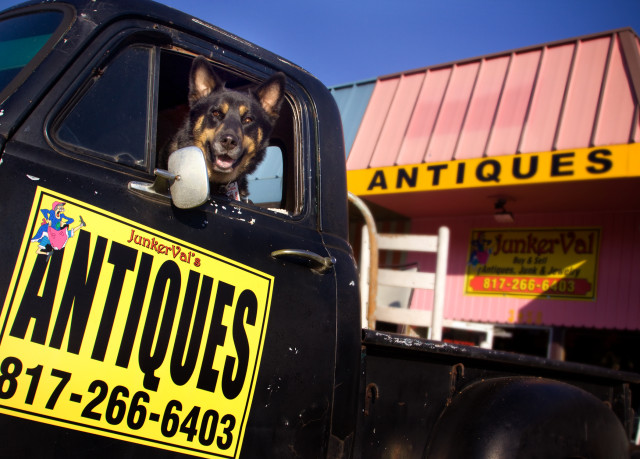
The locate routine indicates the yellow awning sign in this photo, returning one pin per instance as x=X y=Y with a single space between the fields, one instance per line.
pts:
x=596 y=163
x=116 y=329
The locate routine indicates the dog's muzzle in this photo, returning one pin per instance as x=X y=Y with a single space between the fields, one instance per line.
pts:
x=226 y=153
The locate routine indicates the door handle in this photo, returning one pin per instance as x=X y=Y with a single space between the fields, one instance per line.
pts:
x=316 y=262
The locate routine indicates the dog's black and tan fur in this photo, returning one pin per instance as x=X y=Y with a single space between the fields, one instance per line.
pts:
x=231 y=127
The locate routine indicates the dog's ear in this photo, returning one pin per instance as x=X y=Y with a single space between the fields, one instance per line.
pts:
x=202 y=80
x=271 y=94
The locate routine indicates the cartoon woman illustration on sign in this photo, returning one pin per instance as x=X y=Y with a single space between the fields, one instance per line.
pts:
x=55 y=229
x=479 y=250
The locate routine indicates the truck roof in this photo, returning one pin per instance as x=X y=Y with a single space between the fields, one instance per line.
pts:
x=101 y=13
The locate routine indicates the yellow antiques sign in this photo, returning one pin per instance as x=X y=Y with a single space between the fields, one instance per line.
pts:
x=117 y=329
x=615 y=161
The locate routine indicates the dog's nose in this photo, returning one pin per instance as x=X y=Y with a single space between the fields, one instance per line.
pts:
x=229 y=142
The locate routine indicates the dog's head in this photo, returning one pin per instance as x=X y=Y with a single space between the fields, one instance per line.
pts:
x=231 y=127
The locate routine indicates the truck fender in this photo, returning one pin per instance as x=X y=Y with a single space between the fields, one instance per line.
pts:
x=526 y=417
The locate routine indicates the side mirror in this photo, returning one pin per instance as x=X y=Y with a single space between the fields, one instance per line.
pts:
x=191 y=185
x=186 y=179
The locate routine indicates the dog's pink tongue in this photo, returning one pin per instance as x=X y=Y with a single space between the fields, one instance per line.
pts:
x=224 y=161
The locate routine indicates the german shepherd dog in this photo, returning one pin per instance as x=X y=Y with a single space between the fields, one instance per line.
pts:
x=231 y=127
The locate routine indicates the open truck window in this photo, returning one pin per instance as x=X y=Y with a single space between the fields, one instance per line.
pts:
x=127 y=112
x=266 y=183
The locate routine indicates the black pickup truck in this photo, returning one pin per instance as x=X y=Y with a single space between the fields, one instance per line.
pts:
x=227 y=328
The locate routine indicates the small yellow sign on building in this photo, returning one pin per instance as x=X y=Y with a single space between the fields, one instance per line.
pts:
x=531 y=263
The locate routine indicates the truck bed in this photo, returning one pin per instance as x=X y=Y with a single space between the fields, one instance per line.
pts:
x=408 y=382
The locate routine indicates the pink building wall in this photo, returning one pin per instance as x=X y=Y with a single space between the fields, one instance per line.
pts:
x=617 y=303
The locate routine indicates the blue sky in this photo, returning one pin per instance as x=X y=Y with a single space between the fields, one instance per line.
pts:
x=344 y=41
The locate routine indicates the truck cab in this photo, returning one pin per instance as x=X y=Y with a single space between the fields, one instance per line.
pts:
x=175 y=330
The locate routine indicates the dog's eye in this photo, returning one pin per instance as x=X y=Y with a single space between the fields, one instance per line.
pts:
x=247 y=120
x=217 y=114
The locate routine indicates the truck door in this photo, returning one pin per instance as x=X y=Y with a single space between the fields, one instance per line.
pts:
x=133 y=328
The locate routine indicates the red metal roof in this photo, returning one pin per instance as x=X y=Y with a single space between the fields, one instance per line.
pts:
x=577 y=93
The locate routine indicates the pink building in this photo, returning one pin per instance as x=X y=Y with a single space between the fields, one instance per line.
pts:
x=548 y=137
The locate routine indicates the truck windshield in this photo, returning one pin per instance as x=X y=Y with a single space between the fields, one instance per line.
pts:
x=21 y=37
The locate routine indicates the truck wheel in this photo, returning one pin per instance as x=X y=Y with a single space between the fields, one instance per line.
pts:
x=524 y=417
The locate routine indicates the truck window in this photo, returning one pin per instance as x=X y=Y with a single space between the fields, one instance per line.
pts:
x=110 y=119
x=21 y=38
x=266 y=183
x=127 y=113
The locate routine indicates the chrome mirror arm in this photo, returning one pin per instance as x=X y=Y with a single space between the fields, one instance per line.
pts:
x=159 y=189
